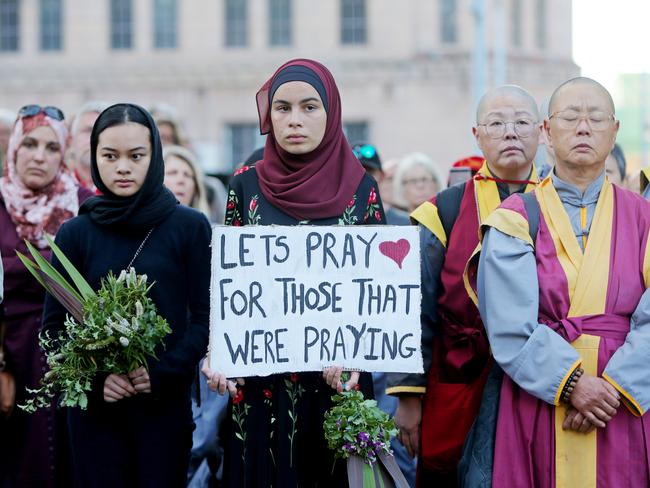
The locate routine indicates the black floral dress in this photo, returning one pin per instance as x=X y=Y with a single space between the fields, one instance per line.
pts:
x=273 y=431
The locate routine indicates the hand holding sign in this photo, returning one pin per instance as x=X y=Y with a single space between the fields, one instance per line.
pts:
x=332 y=377
x=218 y=381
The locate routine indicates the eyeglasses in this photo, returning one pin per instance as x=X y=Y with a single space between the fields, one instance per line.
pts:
x=32 y=110
x=418 y=181
x=366 y=151
x=569 y=119
x=496 y=129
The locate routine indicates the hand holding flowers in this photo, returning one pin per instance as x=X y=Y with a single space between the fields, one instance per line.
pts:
x=114 y=330
x=140 y=380
x=116 y=387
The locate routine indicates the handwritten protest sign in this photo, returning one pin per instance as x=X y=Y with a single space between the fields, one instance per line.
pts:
x=303 y=297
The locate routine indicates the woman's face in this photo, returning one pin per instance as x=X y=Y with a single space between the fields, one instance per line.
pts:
x=179 y=178
x=419 y=186
x=123 y=157
x=167 y=134
x=38 y=158
x=613 y=173
x=298 y=117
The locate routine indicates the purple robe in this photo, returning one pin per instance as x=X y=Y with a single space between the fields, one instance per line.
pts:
x=527 y=443
x=32 y=447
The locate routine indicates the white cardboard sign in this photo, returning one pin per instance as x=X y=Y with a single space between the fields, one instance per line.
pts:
x=300 y=298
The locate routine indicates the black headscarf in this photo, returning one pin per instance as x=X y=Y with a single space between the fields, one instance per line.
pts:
x=146 y=208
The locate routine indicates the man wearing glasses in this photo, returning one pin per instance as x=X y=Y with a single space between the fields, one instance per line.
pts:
x=567 y=312
x=436 y=409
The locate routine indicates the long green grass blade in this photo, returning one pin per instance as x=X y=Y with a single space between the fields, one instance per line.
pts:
x=64 y=297
x=49 y=270
x=82 y=285
x=69 y=301
x=31 y=267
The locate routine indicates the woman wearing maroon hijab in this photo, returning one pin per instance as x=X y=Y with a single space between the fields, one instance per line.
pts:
x=307 y=176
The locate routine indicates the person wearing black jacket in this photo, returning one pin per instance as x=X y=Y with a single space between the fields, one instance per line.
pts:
x=137 y=429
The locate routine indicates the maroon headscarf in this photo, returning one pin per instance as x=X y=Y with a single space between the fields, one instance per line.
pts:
x=318 y=184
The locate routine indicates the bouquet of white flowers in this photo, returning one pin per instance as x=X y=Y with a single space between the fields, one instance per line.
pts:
x=113 y=330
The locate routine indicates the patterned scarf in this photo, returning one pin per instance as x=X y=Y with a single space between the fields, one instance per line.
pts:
x=37 y=212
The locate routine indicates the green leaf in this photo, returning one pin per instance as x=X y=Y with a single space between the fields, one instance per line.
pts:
x=49 y=270
x=83 y=286
x=31 y=267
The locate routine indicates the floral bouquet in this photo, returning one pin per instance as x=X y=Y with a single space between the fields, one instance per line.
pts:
x=359 y=431
x=113 y=330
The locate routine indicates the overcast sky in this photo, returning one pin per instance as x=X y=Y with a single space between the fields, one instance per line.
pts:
x=611 y=37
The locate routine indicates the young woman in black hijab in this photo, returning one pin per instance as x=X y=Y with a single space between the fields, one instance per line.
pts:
x=137 y=430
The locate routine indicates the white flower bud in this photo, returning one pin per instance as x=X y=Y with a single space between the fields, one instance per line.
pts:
x=119 y=326
x=131 y=278
x=124 y=341
x=139 y=309
x=122 y=276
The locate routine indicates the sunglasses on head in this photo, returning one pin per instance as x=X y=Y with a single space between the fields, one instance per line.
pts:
x=366 y=151
x=32 y=110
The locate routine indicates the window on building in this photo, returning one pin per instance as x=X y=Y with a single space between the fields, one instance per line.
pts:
x=353 y=22
x=540 y=18
x=9 y=25
x=241 y=140
x=51 y=18
x=515 y=24
x=356 y=131
x=280 y=22
x=448 y=21
x=121 y=24
x=165 y=14
x=236 y=23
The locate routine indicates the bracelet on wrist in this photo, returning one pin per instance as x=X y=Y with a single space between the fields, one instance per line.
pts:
x=570 y=385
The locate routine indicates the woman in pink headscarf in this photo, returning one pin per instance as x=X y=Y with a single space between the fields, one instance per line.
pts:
x=308 y=175
x=37 y=194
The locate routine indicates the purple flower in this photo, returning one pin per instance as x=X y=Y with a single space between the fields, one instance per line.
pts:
x=363 y=437
x=338 y=423
x=347 y=447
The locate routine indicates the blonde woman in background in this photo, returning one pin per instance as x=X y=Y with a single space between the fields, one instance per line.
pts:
x=183 y=176
x=416 y=180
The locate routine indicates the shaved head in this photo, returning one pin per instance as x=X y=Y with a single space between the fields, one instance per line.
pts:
x=507 y=131
x=580 y=80
x=503 y=92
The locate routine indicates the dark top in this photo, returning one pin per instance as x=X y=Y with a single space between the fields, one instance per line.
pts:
x=177 y=258
x=273 y=434
x=247 y=206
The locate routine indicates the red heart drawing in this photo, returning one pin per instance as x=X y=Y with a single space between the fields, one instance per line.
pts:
x=396 y=251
